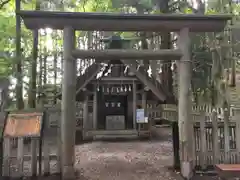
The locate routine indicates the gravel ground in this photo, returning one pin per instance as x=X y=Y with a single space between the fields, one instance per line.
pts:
x=129 y=160
x=205 y=177
x=140 y=160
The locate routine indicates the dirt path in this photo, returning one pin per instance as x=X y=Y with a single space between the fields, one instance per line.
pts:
x=125 y=160
x=140 y=160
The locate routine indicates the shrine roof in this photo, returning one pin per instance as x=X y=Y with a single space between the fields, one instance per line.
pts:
x=123 y=22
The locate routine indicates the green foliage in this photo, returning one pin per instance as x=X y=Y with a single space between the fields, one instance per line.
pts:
x=7 y=46
x=146 y=4
x=188 y=11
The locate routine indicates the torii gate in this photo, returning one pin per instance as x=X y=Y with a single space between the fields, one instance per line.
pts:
x=70 y=21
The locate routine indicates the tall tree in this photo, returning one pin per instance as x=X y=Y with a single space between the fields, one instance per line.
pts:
x=166 y=43
x=33 y=78
x=19 y=85
x=233 y=61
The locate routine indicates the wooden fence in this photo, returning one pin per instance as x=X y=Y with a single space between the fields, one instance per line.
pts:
x=28 y=155
x=216 y=134
x=21 y=156
x=217 y=139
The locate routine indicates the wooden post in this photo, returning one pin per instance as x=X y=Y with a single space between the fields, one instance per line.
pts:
x=6 y=156
x=59 y=145
x=1 y=157
x=20 y=154
x=184 y=117
x=46 y=158
x=134 y=105
x=226 y=136
x=68 y=108
x=46 y=147
x=238 y=137
x=85 y=116
x=203 y=144
x=175 y=138
x=216 y=152
x=95 y=109
x=144 y=100
x=34 y=156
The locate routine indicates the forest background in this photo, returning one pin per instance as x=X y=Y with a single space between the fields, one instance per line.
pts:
x=32 y=60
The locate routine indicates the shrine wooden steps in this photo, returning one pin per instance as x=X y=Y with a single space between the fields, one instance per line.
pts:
x=112 y=134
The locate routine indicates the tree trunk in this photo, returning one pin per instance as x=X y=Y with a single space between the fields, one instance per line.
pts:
x=45 y=67
x=33 y=78
x=233 y=62
x=40 y=76
x=55 y=76
x=19 y=85
x=167 y=76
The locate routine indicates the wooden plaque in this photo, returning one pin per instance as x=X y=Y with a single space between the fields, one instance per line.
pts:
x=23 y=125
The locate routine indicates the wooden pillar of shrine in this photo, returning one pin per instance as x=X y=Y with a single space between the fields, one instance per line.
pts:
x=68 y=108
x=95 y=109
x=144 y=101
x=134 y=105
x=184 y=107
x=144 y=106
x=85 y=115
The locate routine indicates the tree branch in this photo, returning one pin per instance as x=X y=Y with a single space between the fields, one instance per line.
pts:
x=3 y=3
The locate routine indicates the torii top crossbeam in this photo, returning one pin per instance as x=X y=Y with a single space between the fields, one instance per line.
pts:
x=123 y=22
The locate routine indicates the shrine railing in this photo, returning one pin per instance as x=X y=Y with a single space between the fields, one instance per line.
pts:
x=216 y=134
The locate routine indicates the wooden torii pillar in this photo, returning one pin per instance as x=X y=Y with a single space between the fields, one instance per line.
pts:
x=185 y=122
x=68 y=108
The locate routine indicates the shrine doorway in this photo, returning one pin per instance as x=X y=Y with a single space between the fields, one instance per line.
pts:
x=113 y=110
